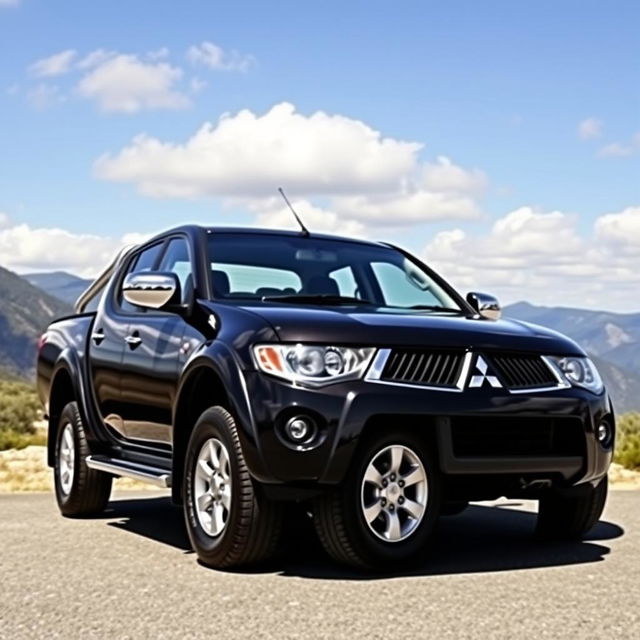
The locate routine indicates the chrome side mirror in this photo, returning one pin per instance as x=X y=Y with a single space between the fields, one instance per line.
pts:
x=149 y=289
x=486 y=305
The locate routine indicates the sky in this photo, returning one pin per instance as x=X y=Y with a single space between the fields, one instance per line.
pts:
x=499 y=141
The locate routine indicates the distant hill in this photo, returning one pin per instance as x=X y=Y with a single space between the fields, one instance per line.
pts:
x=59 y=284
x=611 y=339
x=25 y=312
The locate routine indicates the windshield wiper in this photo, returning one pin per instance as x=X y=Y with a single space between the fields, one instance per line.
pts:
x=320 y=298
x=434 y=307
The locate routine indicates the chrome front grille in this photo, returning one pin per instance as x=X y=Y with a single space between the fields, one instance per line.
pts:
x=432 y=368
x=520 y=371
x=458 y=370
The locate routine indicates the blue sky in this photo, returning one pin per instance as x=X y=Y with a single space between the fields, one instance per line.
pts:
x=535 y=105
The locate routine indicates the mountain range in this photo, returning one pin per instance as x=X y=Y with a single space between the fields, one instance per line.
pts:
x=59 y=284
x=25 y=311
x=612 y=339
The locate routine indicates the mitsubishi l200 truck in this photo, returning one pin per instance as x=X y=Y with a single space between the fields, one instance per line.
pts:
x=245 y=368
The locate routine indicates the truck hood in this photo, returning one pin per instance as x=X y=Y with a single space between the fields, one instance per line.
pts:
x=384 y=327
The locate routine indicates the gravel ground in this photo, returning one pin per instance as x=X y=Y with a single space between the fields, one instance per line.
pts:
x=130 y=574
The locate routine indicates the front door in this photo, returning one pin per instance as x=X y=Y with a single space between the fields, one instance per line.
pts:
x=152 y=358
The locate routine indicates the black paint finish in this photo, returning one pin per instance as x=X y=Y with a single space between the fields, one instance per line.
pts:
x=136 y=398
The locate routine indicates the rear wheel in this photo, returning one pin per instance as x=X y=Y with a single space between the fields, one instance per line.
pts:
x=568 y=516
x=229 y=521
x=79 y=490
x=384 y=513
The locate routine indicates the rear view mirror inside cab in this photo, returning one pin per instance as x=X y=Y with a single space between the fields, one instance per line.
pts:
x=415 y=277
x=316 y=255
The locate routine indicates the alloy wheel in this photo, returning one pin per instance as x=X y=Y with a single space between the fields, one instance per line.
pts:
x=212 y=487
x=394 y=493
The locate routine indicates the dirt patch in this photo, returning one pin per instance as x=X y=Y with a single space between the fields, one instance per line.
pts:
x=27 y=470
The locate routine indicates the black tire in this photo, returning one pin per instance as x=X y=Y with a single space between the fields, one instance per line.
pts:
x=253 y=523
x=340 y=522
x=453 y=508
x=89 y=490
x=568 y=516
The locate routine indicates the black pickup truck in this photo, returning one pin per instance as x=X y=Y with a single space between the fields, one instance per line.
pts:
x=246 y=368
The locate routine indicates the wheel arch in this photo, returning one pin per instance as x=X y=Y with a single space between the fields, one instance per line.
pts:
x=201 y=388
x=63 y=391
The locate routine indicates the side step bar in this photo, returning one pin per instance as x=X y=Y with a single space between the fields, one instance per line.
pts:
x=135 y=470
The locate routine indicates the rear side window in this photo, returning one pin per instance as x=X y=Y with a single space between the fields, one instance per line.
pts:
x=146 y=260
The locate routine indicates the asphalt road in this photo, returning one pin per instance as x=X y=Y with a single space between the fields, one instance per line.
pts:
x=130 y=574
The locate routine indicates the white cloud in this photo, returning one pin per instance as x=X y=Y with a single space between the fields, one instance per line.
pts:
x=271 y=213
x=197 y=85
x=43 y=96
x=590 y=128
x=158 y=54
x=56 y=65
x=214 y=57
x=620 y=150
x=620 y=231
x=24 y=248
x=246 y=156
x=96 y=57
x=407 y=206
x=543 y=257
x=127 y=84
x=4 y=220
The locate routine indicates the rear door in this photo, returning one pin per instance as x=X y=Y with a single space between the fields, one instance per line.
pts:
x=153 y=355
x=108 y=341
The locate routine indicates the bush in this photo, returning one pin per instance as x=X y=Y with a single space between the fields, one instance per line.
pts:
x=627 y=451
x=19 y=409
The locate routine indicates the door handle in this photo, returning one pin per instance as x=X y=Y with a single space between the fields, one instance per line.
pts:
x=133 y=341
x=98 y=336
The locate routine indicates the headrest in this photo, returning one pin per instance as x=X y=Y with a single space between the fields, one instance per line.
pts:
x=322 y=285
x=221 y=286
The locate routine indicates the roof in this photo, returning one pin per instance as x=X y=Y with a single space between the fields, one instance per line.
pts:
x=194 y=228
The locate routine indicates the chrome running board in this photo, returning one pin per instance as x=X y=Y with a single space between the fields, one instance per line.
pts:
x=135 y=470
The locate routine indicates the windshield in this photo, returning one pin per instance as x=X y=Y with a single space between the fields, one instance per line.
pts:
x=283 y=268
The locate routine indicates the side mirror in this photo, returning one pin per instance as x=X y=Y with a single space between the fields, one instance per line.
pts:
x=151 y=289
x=486 y=305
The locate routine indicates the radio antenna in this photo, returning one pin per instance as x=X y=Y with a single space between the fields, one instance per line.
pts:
x=305 y=231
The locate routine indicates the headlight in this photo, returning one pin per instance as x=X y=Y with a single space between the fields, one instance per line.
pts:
x=312 y=365
x=580 y=372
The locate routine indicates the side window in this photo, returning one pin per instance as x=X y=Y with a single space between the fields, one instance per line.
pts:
x=145 y=261
x=347 y=285
x=176 y=260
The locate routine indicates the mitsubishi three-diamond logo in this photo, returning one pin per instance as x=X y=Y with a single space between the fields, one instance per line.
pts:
x=481 y=376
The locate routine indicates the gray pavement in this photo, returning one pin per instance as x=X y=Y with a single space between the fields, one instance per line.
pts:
x=130 y=574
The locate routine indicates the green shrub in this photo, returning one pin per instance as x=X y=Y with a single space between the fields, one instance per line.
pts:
x=10 y=439
x=19 y=409
x=627 y=451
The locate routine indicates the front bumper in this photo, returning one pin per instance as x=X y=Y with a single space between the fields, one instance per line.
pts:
x=345 y=411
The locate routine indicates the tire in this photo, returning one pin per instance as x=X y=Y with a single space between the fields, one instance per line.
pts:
x=243 y=527
x=79 y=490
x=569 y=516
x=339 y=516
x=453 y=508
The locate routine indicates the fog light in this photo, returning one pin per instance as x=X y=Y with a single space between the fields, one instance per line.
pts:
x=603 y=433
x=300 y=429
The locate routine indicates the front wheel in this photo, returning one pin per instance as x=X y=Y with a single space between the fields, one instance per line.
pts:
x=229 y=521
x=569 y=516
x=384 y=513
